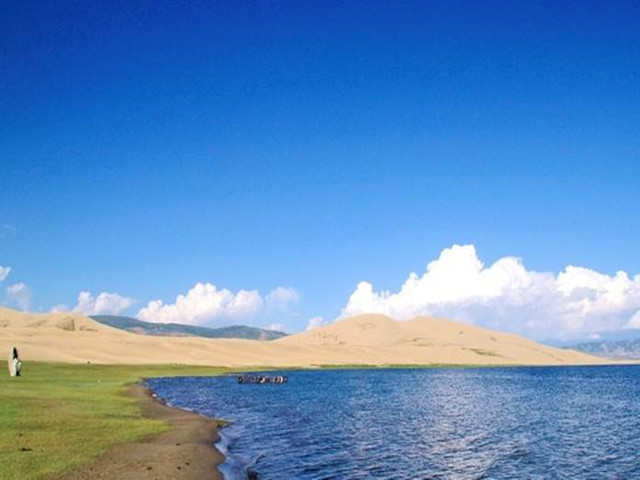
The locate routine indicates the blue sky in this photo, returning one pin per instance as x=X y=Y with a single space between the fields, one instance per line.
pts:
x=149 y=146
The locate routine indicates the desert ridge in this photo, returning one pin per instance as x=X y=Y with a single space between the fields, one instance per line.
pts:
x=362 y=340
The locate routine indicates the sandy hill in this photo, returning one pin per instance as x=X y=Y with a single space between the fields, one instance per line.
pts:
x=438 y=340
x=37 y=323
x=365 y=339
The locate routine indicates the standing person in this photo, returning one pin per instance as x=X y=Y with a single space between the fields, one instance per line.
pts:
x=15 y=365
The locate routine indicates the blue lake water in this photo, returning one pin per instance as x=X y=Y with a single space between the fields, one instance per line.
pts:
x=489 y=423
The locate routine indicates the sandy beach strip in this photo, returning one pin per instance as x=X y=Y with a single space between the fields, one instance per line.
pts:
x=185 y=451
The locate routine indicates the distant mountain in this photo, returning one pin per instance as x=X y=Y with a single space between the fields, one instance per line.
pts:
x=627 y=349
x=609 y=336
x=178 y=330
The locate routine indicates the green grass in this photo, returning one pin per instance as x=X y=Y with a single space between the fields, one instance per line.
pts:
x=58 y=416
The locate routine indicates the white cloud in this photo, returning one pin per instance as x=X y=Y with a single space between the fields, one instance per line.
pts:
x=19 y=294
x=505 y=295
x=204 y=303
x=315 y=322
x=282 y=298
x=104 y=303
x=61 y=307
x=276 y=327
x=4 y=272
x=634 y=322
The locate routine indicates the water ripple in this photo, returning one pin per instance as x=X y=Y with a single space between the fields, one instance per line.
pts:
x=503 y=423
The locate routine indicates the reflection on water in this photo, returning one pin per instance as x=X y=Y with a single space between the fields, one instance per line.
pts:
x=501 y=423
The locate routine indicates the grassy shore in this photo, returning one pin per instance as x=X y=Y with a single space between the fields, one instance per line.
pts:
x=58 y=416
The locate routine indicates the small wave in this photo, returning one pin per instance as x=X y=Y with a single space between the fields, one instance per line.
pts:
x=440 y=424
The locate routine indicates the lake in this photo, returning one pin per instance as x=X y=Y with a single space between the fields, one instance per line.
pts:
x=438 y=423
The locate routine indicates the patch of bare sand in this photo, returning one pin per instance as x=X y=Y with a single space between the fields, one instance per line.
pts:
x=185 y=451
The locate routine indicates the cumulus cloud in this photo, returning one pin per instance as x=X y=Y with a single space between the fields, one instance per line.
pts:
x=276 y=327
x=19 y=294
x=634 y=322
x=105 y=303
x=505 y=295
x=315 y=322
x=61 y=307
x=204 y=303
x=4 y=273
x=282 y=299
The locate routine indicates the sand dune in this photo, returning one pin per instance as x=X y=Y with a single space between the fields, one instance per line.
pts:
x=365 y=339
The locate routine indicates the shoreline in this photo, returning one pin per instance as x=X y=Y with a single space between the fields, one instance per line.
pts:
x=185 y=451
